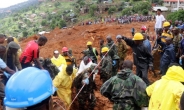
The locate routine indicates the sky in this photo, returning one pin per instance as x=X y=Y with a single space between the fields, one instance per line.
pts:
x=7 y=3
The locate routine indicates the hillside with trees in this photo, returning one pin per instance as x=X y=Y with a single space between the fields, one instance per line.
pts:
x=35 y=16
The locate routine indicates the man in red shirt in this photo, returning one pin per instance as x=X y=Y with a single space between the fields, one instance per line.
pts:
x=31 y=53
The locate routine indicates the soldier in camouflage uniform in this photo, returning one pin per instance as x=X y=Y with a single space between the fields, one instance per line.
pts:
x=113 y=53
x=122 y=49
x=87 y=93
x=106 y=66
x=126 y=90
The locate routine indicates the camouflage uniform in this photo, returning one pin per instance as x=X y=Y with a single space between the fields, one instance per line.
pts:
x=87 y=93
x=106 y=68
x=113 y=53
x=126 y=91
x=122 y=49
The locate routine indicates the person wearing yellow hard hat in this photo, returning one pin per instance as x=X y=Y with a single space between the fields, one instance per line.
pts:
x=166 y=32
x=93 y=53
x=106 y=67
x=141 y=56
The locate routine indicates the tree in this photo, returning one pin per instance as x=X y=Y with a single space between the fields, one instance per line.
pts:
x=111 y=10
x=127 y=11
x=92 y=9
x=176 y=16
x=138 y=6
x=145 y=12
x=24 y=34
x=57 y=4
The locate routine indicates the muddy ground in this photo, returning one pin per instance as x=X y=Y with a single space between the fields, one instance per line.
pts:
x=76 y=37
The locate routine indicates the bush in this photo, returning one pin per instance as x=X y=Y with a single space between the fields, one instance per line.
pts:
x=44 y=22
x=111 y=10
x=145 y=12
x=24 y=34
x=127 y=11
x=176 y=16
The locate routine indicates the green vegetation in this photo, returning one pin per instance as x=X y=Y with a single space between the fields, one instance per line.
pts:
x=47 y=15
x=176 y=16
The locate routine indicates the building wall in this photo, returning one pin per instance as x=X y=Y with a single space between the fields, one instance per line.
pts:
x=173 y=4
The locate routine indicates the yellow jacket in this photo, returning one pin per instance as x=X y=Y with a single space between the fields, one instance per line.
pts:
x=58 y=61
x=165 y=93
x=63 y=82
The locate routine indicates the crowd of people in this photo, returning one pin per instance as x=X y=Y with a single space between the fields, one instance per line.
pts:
x=29 y=86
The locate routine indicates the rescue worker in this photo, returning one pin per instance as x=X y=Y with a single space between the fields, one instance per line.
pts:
x=110 y=44
x=143 y=29
x=63 y=82
x=166 y=32
x=142 y=58
x=176 y=42
x=58 y=60
x=71 y=54
x=92 y=52
x=182 y=102
x=101 y=46
x=11 y=57
x=9 y=39
x=147 y=43
x=87 y=93
x=126 y=90
x=165 y=93
x=122 y=49
x=70 y=60
x=31 y=53
x=85 y=63
x=106 y=66
x=22 y=86
x=168 y=56
x=113 y=52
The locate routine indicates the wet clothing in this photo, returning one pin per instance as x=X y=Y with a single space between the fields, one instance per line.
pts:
x=12 y=60
x=30 y=53
x=93 y=53
x=87 y=93
x=106 y=68
x=142 y=59
x=167 y=58
x=63 y=82
x=126 y=91
x=165 y=93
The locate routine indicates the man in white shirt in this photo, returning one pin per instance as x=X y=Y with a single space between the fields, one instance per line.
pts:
x=159 y=21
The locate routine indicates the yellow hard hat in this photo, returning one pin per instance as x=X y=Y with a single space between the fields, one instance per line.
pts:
x=89 y=43
x=105 y=49
x=166 y=24
x=138 y=36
